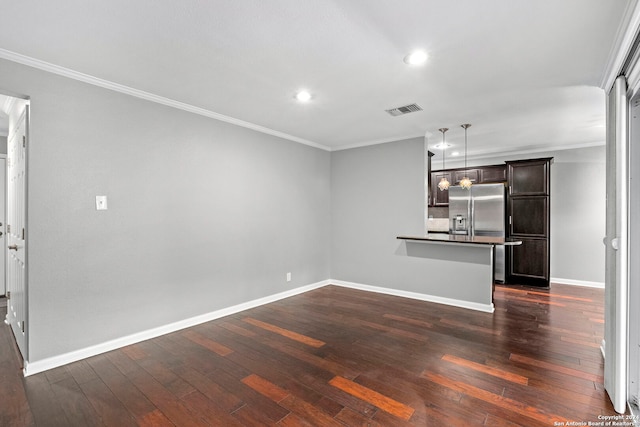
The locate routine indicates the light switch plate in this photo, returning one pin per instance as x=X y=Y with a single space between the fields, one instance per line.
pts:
x=101 y=203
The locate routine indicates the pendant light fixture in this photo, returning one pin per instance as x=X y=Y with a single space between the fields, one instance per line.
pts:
x=465 y=182
x=443 y=184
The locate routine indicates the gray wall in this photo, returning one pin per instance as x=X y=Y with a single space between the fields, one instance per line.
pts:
x=202 y=214
x=3 y=145
x=377 y=194
x=577 y=211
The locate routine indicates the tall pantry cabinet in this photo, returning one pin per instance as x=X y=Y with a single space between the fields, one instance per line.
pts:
x=528 y=214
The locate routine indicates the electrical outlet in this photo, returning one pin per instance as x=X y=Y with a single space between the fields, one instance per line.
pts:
x=289 y=277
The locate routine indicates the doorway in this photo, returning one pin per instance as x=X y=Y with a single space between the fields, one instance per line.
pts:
x=14 y=229
x=4 y=133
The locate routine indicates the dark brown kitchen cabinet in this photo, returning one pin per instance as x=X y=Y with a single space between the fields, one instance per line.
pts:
x=529 y=177
x=472 y=174
x=493 y=174
x=528 y=219
x=525 y=265
x=430 y=190
x=529 y=216
x=478 y=175
x=439 y=197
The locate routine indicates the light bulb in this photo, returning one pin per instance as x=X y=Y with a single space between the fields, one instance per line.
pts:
x=443 y=184
x=465 y=183
x=303 y=96
x=417 y=57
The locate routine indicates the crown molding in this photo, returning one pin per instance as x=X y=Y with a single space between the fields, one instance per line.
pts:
x=626 y=35
x=528 y=150
x=106 y=84
x=485 y=154
x=376 y=142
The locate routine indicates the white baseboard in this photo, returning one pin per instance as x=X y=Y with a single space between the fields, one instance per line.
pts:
x=577 y=282
x=488 y=308
x=74 y=356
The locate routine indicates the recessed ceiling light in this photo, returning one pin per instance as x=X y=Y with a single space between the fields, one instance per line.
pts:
x=442 y=145
x=455 y=153
x=417 y=57
x=303 y=96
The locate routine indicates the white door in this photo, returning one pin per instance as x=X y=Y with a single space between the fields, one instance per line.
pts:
x=16 y=253
x=3 y=243
x=616 y=241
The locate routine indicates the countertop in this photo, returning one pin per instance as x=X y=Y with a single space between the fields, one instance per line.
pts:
x=475 y=240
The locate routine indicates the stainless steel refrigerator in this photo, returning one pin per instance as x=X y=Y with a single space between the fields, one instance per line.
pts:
x=480 y=211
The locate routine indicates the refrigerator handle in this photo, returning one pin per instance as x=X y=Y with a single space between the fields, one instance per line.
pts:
x=472 y=217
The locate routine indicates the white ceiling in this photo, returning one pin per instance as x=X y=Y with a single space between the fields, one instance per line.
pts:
x=525 y=73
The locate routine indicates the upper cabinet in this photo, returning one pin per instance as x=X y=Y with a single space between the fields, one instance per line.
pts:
x=529 y=177
x=472 y=174
x=478 y=175
x=493 y=174
x=439 y=197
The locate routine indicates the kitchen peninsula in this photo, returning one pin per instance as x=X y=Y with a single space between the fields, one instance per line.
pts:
x=467 y=259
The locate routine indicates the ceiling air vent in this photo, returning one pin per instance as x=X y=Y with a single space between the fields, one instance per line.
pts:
x=405 y=109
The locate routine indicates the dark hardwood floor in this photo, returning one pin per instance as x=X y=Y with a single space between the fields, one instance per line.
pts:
x=337 y=356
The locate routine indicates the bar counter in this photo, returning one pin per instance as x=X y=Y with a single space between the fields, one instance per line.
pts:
x=463 y=239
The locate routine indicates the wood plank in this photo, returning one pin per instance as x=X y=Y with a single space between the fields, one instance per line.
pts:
x=292 y=420
x=285 y=333
x=57 y=374
x=76 y=406
x=266 y=388
x=106 y=404
x=314 y=360
x=408 y=320
x=252 y=417
x=134 y=352
x=237 y=329
x=207 y=343
x=580 y=342
x=548 y=294
x=515 y=378
x=497 y=400
x=81 y=371
x=470 y=327
x=350 y=417
x=539 y=301
x=209 y=410
x=211 y=390
x=169 y=380
x=165 y=401
x=155 y=419
x=250 y=397
x=309 y=412
x=394 y=331
x=518 y=358
x=44 y=406
x=132 y=398
x=385 y=403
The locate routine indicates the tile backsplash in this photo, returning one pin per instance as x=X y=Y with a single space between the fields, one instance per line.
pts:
x=438 y=225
